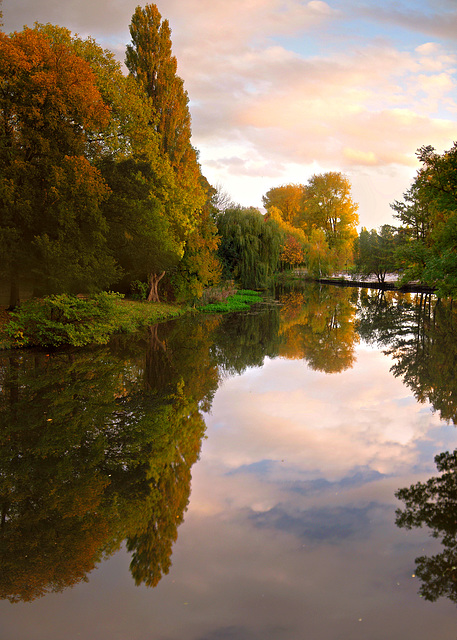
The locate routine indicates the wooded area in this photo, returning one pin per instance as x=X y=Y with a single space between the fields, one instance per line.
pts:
x=101 y=188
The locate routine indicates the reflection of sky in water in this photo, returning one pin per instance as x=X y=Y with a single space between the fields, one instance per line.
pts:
x=290 y=530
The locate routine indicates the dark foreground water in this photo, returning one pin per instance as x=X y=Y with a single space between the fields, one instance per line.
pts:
x=235 y=478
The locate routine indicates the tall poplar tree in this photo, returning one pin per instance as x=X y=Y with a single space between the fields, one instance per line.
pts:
x=150 y=60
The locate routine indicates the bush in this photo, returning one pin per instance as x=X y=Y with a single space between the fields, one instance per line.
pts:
x=139 y=290
x=64 y=319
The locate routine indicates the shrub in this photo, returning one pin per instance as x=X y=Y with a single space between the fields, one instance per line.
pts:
x=64 y=319
x=139 y=290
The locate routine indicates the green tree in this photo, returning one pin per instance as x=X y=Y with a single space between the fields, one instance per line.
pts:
x=149 y=59
x=429 y=222
x=250 y=246
x=142 y=236
x=376 y=252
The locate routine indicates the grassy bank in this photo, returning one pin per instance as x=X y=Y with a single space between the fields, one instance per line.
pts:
x=69 y=320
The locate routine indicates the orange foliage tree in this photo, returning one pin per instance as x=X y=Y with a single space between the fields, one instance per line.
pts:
x=51 y=225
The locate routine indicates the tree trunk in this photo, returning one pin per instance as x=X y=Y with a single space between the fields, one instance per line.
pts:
x=154 y=279
x=14 y=294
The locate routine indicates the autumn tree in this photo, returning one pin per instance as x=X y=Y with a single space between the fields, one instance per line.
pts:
x=200 y=266
x=288 y=199
x=328 y=206
x=323 y=206
x=319 y=259
x=52 y=230
x=319 y=327
x=294 y=241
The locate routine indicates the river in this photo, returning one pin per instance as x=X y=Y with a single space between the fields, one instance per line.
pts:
x=237 y=477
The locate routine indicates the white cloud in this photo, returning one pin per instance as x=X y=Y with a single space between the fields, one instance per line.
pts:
x=283 y=413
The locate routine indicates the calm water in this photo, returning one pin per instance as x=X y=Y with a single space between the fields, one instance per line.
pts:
x=234 y=478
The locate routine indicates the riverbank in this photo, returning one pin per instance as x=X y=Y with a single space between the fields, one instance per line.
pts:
x=391 y=282
x=74 y=321
x=38 y=324
x=387 y=285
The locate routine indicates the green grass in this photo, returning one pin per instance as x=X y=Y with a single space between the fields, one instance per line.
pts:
x=239 y=301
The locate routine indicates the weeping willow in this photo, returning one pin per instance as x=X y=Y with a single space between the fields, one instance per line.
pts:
x=250 y=246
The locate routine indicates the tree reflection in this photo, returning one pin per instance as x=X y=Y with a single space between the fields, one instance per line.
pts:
x=96 y=448
x=318 y=325
x=434 y=504
x=244 y=340
x=418 y=332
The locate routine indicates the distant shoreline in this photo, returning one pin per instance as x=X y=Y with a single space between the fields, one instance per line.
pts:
x=388 y=285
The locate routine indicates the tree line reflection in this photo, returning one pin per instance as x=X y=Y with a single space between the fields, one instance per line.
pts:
x=419 y=331
x=97 y=447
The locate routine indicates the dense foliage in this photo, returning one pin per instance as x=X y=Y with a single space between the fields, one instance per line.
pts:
x=319 y=221
x=250 y=246
x=100 y=184
x=424 y=245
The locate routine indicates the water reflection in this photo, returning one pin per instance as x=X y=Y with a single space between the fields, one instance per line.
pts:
x=434 y=504
x=418 y=331
x=97 y=447
x=317 y=325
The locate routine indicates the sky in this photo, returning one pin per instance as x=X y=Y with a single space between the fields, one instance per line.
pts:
x=280 y=90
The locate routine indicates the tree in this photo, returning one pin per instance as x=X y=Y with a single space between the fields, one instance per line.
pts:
x=288 y=199
x=324 y=205
x=200 y=266
x=52 y=230
x=328 y=205
x=433 y=503
x=292 y=252
x=429 y=222
x=149 y=59
x=294 y=242
x=141 y=234
x=319 y=256
x=250 y=246
x=376 y=252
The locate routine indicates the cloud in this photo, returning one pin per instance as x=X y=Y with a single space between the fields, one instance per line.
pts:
x=366 y=425
x=437 y=19
x=318 y=524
